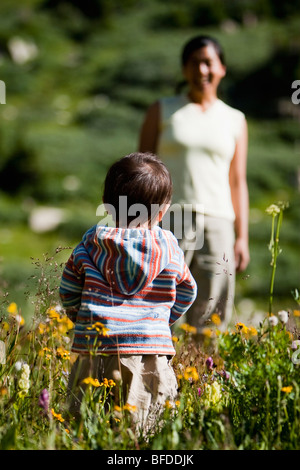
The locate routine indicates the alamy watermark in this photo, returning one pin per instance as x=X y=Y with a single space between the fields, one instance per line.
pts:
x=296 y=94
x=185 y=221
x=2 y=92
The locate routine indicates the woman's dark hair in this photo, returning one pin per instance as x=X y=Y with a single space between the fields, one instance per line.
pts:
x=144 y=180
x=198 y=42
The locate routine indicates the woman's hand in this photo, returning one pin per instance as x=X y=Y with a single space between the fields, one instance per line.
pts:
x=241 y=252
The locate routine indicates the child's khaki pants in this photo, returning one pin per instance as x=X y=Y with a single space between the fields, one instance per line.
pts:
x=145 y=382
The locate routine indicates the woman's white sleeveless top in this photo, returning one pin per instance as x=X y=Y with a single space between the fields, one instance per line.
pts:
x=197 y=147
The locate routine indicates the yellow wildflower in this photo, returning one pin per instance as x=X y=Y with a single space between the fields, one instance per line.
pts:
x=64 y=324
x=168 y=404
x=12 y=308
x=52 y=313
x=107 y=383
x=289 y=335
x=208 y=332
x=177 y=403
x=188 y=328
x=104 y=383
x=63 y=353
x=57 y=416
x=175 y=339
x=91 y=381
x=95 y=326
x=215 y=318
x=126 y=407
x=99 y=327
x=251 y=331
x=13 y=311
x=45 y=352
x=241 y=327
x=191 y=373
x=42 y=327
x=287 y=389
x=3 y=391
x=297 y=313
x=130 y=407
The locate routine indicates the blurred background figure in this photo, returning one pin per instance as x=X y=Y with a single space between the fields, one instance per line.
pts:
x=204 y=143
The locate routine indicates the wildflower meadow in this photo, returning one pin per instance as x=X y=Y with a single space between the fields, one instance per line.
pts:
x=239 y=390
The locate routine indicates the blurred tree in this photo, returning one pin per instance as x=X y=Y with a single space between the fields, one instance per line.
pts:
x=195 y=13
x=259 y=93
x=18 y=173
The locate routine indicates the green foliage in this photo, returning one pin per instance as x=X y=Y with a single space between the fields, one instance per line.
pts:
x=175 y=14
x=249 y=399
x=264 y=403
x=276 y=211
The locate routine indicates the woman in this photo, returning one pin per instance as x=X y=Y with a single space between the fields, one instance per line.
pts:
x=204 y=142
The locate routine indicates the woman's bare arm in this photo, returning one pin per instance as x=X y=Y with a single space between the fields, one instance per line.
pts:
x=240 y=199
x=150 y=129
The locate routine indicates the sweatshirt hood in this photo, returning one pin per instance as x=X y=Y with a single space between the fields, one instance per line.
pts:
x=128 y=258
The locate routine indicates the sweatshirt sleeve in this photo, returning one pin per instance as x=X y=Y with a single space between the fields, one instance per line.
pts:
x=71 y=286
x=186 y=292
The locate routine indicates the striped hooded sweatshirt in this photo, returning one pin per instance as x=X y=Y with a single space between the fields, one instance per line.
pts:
x=131 y=281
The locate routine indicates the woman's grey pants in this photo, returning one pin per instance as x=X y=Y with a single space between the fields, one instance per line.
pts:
x=208 y=245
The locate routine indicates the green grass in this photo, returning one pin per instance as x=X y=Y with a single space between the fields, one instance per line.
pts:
x=248 y=400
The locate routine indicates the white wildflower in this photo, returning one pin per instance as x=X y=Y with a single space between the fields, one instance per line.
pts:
x=273 y=320
x=295 y=344
x=18 y=365
x=273 y=209
x=19 y=319
x=66 y=339
x=24 y=382
x=283 y=316
x=26 y=370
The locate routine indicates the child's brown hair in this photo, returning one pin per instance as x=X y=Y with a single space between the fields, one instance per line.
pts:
x=144 y=180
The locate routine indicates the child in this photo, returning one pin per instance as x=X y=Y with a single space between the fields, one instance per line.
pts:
x=124 y=286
